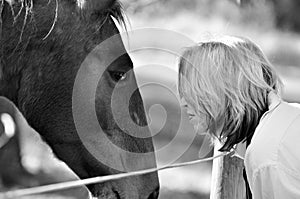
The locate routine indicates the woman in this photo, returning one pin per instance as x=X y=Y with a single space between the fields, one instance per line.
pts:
x=232 y=91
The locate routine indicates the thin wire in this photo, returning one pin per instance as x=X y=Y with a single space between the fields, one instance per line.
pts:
x=100 y=179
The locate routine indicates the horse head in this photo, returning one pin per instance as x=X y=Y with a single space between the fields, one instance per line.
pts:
x=51 y=58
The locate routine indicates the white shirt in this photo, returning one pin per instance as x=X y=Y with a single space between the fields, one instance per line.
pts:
x=272 y=160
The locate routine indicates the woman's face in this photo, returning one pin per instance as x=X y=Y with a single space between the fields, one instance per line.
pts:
x=194 y=118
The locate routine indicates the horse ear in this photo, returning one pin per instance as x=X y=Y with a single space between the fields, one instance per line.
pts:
x=97 y=5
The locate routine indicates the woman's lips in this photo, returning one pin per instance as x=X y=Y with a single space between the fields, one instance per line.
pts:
x=191 y=115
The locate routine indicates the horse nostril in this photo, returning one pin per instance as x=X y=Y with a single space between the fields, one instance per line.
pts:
x=154 y=194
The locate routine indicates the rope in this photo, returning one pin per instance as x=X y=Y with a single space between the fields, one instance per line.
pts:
x=100 y=179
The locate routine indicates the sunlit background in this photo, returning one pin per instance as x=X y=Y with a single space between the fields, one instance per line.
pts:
x=273 y=25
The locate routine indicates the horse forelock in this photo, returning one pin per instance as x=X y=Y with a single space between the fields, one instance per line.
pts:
x=117 y=12
x=109 y=7
x=105 y=9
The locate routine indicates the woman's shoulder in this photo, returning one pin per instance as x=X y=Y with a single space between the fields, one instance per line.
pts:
x=276 y=139
x=289 y=146
x=276 y=123
x=297 y=105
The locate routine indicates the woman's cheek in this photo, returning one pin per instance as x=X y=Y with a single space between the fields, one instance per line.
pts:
x=199 y=125
x=194 y=119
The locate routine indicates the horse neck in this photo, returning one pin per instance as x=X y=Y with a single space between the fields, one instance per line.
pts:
x=12 y=45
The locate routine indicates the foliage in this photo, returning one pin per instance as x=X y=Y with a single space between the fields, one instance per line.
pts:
x=260 y=14
x=284 y=14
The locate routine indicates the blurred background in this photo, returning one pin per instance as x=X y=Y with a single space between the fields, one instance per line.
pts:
x=272 y=24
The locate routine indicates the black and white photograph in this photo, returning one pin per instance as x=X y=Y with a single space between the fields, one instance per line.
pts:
x=149 y=99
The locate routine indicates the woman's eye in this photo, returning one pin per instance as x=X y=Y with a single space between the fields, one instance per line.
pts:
x=117 y=76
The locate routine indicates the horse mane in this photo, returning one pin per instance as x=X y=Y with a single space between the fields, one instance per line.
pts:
x=108 y=8
x=116 y=10
x=111 y=8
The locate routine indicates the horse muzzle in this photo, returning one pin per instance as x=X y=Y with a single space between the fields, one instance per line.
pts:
x=140 y=187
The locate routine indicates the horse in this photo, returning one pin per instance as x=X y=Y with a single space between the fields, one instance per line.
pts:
x=42 y=48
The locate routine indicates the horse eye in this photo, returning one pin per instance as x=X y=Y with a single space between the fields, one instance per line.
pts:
x=117 y=76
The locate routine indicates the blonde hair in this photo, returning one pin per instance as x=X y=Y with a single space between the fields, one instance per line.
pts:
x=227 y=80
